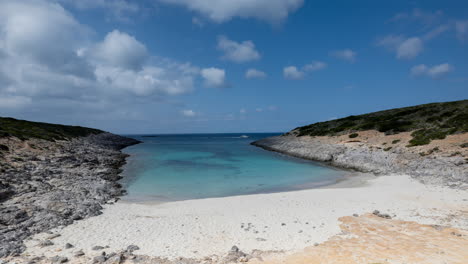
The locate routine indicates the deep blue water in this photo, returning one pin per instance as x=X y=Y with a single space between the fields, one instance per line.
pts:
x=180 y=167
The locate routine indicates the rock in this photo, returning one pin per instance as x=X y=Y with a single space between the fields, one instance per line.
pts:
x=45 y=243
x=97 y=248
x=377 y=213
x=68 y=245
x=53 y=236
x=355 y=215
x=115 y=259
x=99 y=259
x=442 y=170
x=132 y=248
x=59 y=259
x=234 y=249
x=79 y=253
x=73 y=178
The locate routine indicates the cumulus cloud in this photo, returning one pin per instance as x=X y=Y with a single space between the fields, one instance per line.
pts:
x=238 y=52
x=272 y=11
x=214 y=77
x=293 y=73
x=404 y=48
x=410 y=48
x=346 y=54
x=121 y=50
x=42 y=33
x=435 y=72
x=51 y=64
x=315 y=66
x=255 y=74
x=188 y=113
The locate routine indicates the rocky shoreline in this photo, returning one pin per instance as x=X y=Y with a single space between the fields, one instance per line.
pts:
x=431 y=164
x=46 y=184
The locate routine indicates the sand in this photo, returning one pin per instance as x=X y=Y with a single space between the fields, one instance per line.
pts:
x=287 y=222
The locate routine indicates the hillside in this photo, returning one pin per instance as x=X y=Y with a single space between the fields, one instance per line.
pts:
x=10 y=127
x=427 y=122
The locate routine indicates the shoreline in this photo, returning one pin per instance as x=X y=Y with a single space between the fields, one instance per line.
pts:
x=276 y=222
x=46 y=184
x=263 y=225
x=430 y=164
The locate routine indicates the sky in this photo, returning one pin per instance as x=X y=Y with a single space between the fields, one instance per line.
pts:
x=218 y=66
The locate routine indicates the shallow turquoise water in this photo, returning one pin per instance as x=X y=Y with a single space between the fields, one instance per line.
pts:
x=180 y=167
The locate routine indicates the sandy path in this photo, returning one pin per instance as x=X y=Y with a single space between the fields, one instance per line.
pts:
x=287 y=221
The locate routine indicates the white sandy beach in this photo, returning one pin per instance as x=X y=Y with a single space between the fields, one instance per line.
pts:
x=288 y=221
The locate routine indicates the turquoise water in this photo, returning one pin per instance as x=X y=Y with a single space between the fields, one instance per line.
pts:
x=180 y=167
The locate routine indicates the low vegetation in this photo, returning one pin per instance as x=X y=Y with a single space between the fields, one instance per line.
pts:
x=10 y=127
x=428 y=122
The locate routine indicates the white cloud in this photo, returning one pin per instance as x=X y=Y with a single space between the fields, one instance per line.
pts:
x=346 y=54
x=435 y=72
x=238 y=52
x=243 y=111
x=50 y=62
x=214 y=77
x=462 y=29
x=410 y=48
x=419 y=70
x=314 y=66
x=292 y=73
x=255 y=74
x=120 y=50
x=439 y=71
x=43 y=33
x=259 y=110
x=272 y=11
x=188 y=113
x=405 y=48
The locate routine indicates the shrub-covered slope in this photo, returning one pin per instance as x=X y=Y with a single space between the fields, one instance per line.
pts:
x=428 y=121
x=26 y=129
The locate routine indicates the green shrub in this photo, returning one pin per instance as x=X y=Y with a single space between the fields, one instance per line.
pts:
x=396 y=141
x=354 y=135
x=424 y=136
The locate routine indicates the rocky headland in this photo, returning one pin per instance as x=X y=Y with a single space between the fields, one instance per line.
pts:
x=428 y=142
x=52 y=175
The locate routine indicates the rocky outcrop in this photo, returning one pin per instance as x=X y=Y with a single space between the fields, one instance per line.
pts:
x=45 y=184
x=451 y=170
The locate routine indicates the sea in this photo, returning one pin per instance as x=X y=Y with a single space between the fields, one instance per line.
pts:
x=196 y=166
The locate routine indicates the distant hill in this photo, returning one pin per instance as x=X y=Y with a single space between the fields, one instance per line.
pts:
x=428 y=122
x=25 y=129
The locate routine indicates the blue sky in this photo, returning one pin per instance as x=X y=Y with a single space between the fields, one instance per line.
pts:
x=180 y=66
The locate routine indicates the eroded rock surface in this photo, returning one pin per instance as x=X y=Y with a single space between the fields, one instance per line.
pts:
x=45 y=184
x=441 y=162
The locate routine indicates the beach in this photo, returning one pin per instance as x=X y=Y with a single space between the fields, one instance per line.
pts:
x=284 y=223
